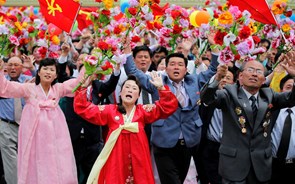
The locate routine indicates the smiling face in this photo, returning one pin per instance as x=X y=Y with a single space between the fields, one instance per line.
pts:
x=130 y=92
x=47 y=74
x=252 y=76
x=176 y=69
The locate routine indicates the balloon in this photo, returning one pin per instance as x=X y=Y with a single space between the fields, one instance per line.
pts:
x=192 y=18
x=202 y=17
x=53 y=30
x=75 y=26
x=36 y=10
x=215 y=22
x=293 y=17
x=124 y=6
x=210 y=11
x=123 y=1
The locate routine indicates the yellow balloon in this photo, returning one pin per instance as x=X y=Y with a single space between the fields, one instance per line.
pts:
x=215 y=22
x=192 y=18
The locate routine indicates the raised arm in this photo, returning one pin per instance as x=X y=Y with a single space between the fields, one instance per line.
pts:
x=166 y=105
x=87 y=110
x=11 y=89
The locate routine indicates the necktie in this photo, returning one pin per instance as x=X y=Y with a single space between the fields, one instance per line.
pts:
x=180 y=97
x=254 y=107
x=145 y=97
x=285 y=140
x=17 y=110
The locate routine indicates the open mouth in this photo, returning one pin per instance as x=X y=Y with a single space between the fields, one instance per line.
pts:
x=128 y=96
x=176 y=73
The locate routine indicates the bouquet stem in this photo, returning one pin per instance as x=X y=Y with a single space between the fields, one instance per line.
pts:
x=81 y=82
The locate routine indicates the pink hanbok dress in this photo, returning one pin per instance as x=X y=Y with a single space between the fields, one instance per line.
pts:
x=45 y=153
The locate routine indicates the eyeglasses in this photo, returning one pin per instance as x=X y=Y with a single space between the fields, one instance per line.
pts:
x=13 y=64
x=252 y=70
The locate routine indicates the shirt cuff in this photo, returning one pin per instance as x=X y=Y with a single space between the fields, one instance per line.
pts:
x=62 y=59
x=213 y=83
x=117 y=72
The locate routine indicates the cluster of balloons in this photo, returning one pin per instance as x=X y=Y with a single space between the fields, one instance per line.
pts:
x=123 y=5
x=199 y=17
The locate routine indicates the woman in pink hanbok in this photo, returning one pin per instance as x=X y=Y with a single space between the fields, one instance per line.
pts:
x=45 y=154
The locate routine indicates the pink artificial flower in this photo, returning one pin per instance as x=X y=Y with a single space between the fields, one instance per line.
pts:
x=92 y=60
x=13 y=39
x=226 y=56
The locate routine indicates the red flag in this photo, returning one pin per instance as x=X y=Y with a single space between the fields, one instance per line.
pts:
x=258 y=8
x=61 y=13
x=83 y=18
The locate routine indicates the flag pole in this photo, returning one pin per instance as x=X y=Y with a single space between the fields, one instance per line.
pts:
x=75 y=18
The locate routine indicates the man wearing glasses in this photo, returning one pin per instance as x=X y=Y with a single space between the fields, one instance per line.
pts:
x=245 y=150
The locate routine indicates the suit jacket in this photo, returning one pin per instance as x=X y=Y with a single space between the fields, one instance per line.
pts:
x=239 y=151
x=75 y=123
x=166 y=132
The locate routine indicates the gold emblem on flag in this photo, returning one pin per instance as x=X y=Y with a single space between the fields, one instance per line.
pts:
x=53 y=7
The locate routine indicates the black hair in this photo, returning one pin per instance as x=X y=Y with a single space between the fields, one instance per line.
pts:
x=47 y=62
x=267 y=41
x=163 y=57
x=71 y=67
x=160 y=49
x=33 y=48
x=284 y=80
x=137 y=49
x=179 y=55
x=121 y=108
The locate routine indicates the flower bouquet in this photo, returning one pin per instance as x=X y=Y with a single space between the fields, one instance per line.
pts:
x=99 y=64
x=234 y=30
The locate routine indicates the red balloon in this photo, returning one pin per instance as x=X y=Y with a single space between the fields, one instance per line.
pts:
x=53 y=30
x=202 y=17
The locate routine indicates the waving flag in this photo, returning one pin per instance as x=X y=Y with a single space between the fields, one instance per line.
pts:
x=258 y=8
x=61 y=13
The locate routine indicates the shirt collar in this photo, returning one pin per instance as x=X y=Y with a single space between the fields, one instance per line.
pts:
x=249 y=94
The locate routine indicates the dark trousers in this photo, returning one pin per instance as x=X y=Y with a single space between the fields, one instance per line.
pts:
x=250 y=179
x=173 y=163
x=199 y=163
x=86 y=154
x=282 y=172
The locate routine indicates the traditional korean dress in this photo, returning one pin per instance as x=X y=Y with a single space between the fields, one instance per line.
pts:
x=126 y=155
x=45 y=153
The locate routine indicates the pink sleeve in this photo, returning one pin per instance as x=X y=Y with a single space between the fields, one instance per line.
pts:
x=10 y=89
x=66 y=87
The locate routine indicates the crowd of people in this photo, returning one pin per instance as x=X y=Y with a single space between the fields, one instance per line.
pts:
x=156 y=113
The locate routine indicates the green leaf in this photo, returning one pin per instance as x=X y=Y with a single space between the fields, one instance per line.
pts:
x=233 y=48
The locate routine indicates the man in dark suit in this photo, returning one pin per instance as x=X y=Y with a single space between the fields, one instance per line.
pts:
x=176 y=137
x=208 y=155
x=283 y=139
x=245 y=150
x=87 y=138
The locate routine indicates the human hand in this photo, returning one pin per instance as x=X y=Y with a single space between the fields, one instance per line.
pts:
x=126 y=45
x=221 y=72
x=148 y=107
x=28 y=61
x=157 y=80
x=65 y=49
x=289 y=57
x=1 y=64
